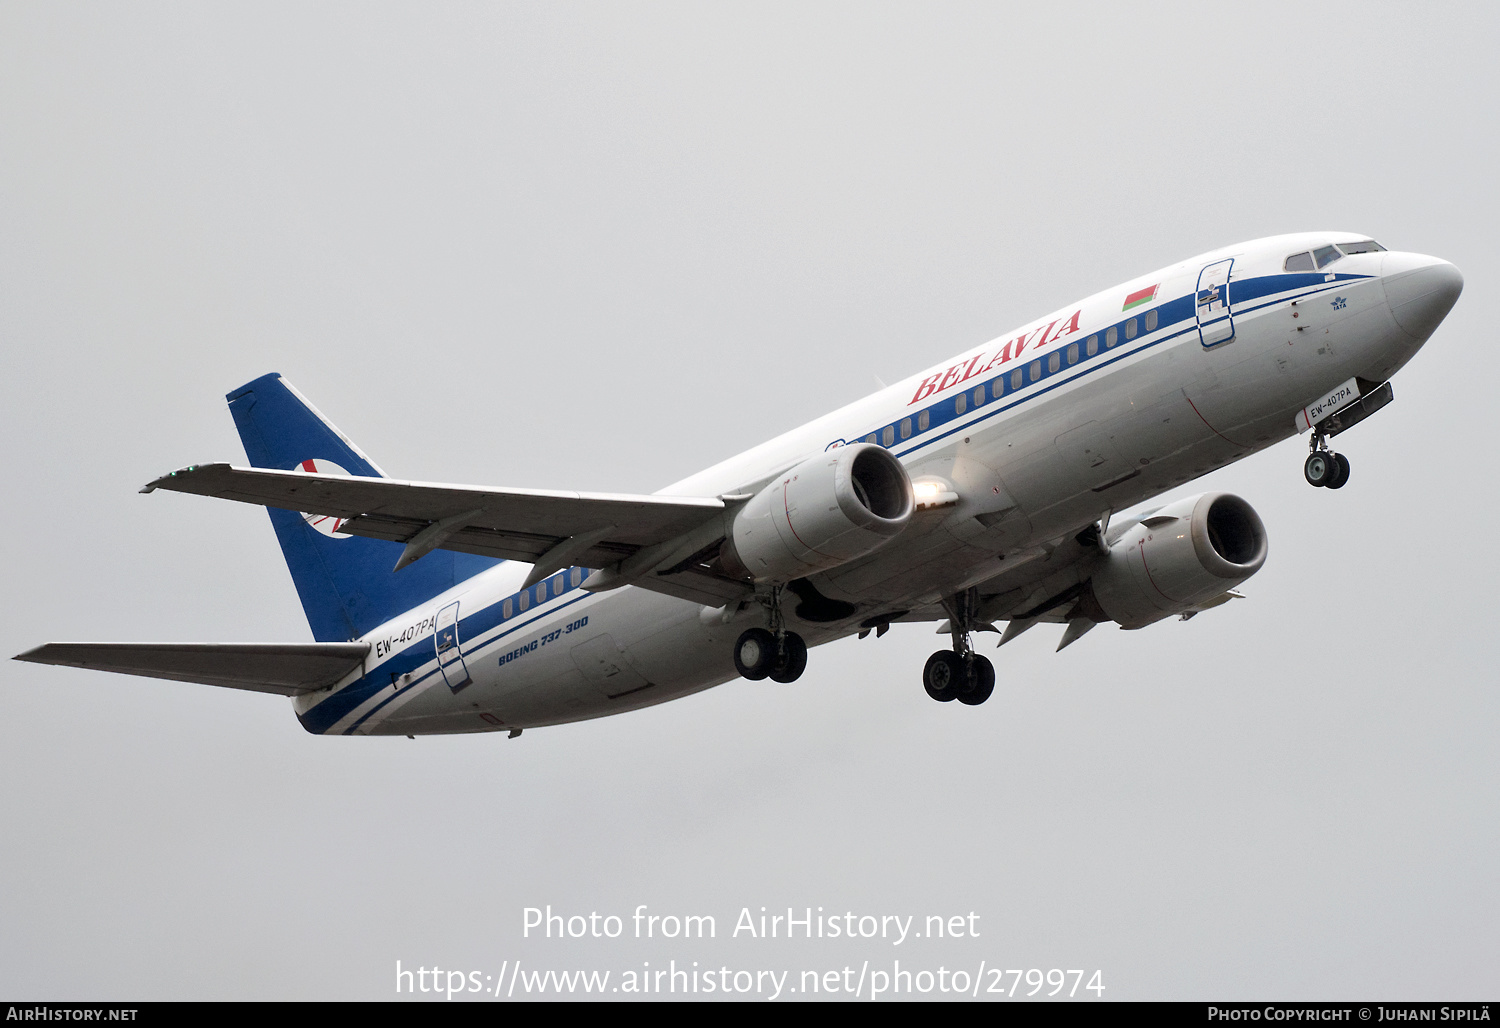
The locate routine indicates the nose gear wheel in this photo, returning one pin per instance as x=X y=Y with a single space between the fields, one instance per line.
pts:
x=1324 y=468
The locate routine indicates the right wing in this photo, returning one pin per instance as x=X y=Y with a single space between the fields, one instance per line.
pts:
x=286 y=668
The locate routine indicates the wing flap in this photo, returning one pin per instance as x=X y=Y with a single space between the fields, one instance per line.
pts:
x=289 y=669
x=697 y=587
x=487 y=542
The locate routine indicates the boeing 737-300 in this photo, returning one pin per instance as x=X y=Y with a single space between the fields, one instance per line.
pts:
x=983 y=490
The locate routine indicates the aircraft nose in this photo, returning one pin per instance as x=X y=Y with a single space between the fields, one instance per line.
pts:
x=1420 y=290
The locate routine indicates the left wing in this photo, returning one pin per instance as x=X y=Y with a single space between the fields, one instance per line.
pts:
x=550 y=529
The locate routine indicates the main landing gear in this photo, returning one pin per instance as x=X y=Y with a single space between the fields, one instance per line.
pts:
x=777 y=654
x=757 y=655
x=1323 y=467
x=960 y=673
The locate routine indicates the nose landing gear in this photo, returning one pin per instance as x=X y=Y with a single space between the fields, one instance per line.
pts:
x=1323 y=467
x=960 y=673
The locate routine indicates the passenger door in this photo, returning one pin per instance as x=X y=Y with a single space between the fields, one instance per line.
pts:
x=1215 y=322
x=450 y=655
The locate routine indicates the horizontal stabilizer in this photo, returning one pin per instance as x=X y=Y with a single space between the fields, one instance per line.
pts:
x=516 y=524
x=286 y=668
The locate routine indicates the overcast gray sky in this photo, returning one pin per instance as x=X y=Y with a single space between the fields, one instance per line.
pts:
x=600 y=246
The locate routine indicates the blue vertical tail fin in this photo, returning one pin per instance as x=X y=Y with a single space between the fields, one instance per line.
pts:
x=345 y=582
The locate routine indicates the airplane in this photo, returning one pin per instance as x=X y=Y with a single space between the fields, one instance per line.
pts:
x=982 y=490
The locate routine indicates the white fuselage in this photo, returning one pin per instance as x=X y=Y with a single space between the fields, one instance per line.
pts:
x=1090 y=409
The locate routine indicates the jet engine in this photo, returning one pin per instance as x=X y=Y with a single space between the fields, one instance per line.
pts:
x=829 y=509
x=1175 y=559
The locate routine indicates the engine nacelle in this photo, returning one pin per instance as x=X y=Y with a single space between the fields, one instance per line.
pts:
x=1183 y=555
x=825 y=511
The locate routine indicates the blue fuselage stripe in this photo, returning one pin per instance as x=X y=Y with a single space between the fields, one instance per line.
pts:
x=336 y=707
x=516 y=628
x=1172 y=312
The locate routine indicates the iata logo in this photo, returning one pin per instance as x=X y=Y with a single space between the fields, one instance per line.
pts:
x=325 y=524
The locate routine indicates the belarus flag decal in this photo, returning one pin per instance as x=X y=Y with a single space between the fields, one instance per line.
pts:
x=1141 y=296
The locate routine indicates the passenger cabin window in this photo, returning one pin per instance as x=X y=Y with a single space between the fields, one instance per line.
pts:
x=1073 y=353
x=1015 y=379
x=577 y=577
x=1036 y=370
x=905 y=428
x=997 y=387
x=1111 y=337
x=978 y=395
x=558 y=584
x=541 y=591
x=870 y=438
x=1326 y=255
x=1130 y=329
x=960 y=403
x=1300 y=262
x=1091 y=345
x=525 y=600
x=923 y=420
x=506 y=609
x=1151 y=321
x=888 y=435
x=1054 y=361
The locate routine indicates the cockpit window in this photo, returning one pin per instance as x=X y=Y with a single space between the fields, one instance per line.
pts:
x=1300 y=262
x=1326 y=255
x=1367 y=246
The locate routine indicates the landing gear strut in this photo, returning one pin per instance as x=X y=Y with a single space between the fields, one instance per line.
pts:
x=775 y=654
x=960 y=673
x=1324 y=467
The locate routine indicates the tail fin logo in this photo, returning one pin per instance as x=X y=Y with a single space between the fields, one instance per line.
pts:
x=328 y=526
